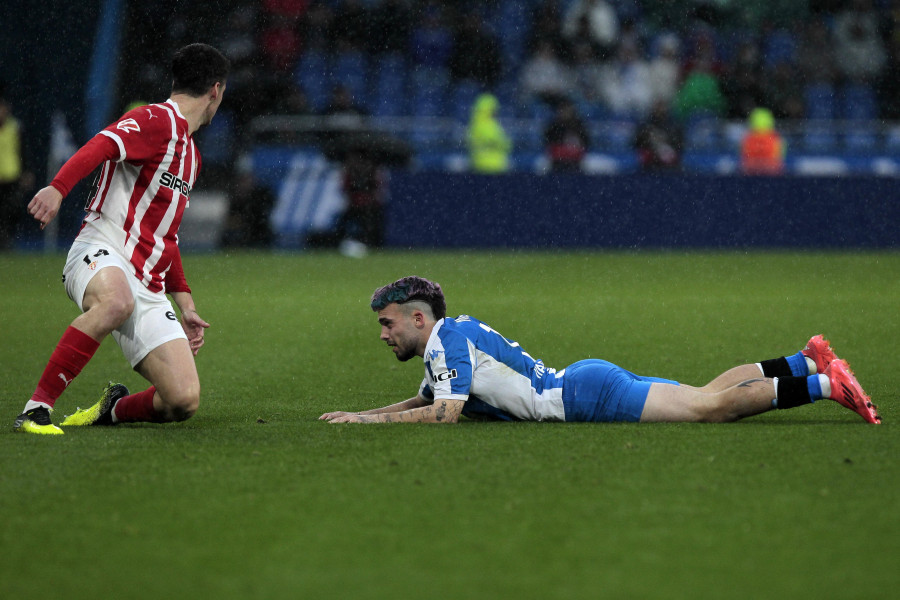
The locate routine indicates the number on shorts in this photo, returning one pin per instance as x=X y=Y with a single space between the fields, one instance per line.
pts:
x=97 y=254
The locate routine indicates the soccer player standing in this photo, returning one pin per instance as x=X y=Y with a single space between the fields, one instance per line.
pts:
x=125 y=258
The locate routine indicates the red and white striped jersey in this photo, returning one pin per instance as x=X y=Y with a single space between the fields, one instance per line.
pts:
x=141 y=195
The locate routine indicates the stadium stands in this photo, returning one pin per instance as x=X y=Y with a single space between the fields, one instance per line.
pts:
x=858 y=102
x=425 y=106
x=350 y=68
x=389 y=90
x=313 y=75
x=820 y=101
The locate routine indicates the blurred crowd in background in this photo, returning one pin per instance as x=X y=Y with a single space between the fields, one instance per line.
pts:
x=612 y=58
x=561 y=67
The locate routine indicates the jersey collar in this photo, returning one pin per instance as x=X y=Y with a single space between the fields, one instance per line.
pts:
x=174 y=106
x=432 y=339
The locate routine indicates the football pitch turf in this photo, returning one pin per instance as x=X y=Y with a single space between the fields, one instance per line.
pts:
x=256 y=498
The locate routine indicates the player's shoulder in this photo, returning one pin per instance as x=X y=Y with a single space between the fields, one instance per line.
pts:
x=463 y=321
x=460 y=323
x=463 y=326
x=144 y=119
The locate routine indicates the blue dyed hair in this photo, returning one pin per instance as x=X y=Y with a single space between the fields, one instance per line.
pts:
x=408 y=289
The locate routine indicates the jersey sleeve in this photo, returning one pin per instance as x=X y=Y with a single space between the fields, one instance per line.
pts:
x=139 y=133
x=451 y=368
x=425 y=390
x=98 y=150
x=175 y=280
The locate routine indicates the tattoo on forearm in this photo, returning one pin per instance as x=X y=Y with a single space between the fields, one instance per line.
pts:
x=421 y=414
x=750 y=382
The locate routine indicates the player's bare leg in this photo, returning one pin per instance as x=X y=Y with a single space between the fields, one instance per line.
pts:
x=669 y=403
x=683 y=403
x=814 y=358
x=171 y=370
x=174 y=395
x=107 y=303
x=731 y=378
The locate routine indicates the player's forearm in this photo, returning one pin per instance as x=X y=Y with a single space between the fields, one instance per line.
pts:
x=184 y=301
x=442 y=411
x=398 y=407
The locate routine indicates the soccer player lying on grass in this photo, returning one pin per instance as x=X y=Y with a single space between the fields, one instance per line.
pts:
x=125 y=259
x=472 y=370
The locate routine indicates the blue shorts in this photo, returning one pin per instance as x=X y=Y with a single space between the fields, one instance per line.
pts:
x=599 y=391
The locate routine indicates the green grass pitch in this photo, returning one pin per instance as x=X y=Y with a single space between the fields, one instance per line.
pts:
x=256 y=498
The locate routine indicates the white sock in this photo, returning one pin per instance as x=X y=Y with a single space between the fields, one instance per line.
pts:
x=31 y=404
x=825 y=384
x=811 y=365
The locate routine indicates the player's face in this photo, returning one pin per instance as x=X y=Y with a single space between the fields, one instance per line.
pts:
x=399 y=331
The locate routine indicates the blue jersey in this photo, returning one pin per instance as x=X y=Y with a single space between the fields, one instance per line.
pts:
x=467 y=360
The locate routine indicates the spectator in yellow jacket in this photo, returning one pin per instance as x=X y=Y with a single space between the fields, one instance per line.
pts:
x=13 y=177
x=489 y=145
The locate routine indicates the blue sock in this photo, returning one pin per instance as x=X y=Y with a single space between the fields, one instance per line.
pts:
x=797 y=363
x=814 y=387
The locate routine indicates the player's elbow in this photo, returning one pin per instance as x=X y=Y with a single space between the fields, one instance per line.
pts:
x=447 y=411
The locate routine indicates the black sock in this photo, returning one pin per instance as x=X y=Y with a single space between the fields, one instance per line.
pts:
x=777 y=367
x=791 y=392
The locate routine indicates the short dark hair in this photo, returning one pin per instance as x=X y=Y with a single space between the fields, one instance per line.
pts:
x=409 y=289
x=196 y=68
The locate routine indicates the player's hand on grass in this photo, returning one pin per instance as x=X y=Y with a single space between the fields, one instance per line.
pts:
x=45 y=204
x=340 y=417
x=194 y=328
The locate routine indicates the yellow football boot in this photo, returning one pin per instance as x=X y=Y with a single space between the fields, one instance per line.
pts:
x=36 y=421
x=100 y=413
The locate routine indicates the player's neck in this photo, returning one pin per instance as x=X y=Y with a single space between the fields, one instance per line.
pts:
x=426 y=335
x=193 y=109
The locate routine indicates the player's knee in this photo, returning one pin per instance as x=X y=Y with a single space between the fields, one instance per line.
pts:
x=181 y=405
x=718 y=410
x=116 y=310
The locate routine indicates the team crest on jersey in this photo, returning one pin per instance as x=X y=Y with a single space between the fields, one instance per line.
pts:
x=128 y=125
x=446 y=376
x=434 y=354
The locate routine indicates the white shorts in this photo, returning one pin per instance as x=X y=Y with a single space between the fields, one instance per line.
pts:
x=153 y=321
